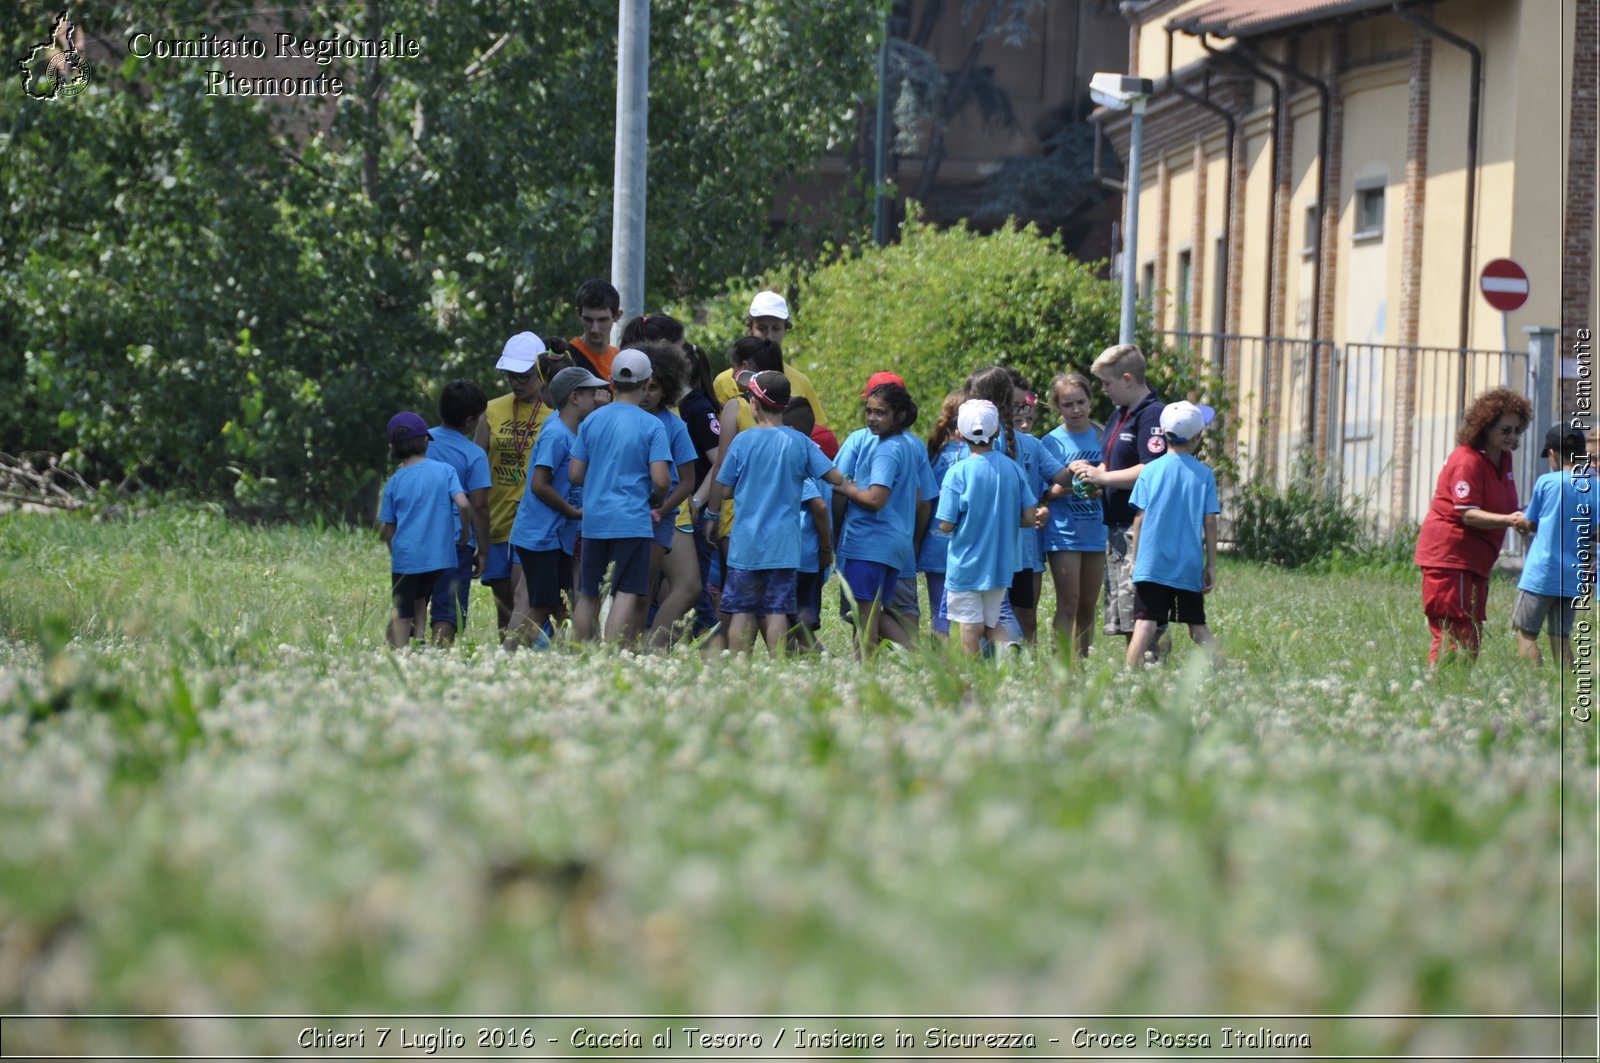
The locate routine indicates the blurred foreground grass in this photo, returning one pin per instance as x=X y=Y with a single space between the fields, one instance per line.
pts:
x=221 y=795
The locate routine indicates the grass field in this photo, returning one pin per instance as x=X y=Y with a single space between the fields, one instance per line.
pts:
x=221 y=795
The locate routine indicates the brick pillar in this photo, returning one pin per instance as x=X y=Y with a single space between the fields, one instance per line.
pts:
x=1578 y=227
x=1328 y=245
x=1405 y=400
x=1277 y=354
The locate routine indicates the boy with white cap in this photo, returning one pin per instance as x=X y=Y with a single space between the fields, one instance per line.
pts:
x=507 y=431
x=1173 y=541
x=621 y=459
x=769 y=319
x=982 y=497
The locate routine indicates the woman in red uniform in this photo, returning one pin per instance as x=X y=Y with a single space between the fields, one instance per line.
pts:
x=1473 y=505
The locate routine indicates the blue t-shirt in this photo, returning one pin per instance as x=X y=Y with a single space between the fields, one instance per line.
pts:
x=900 y=463
x=936 y=544
x=420 y=501
x=466 y=458
x=983 y=496
x=1176 y=491
x=1563 y=508
x=538 y=527
x=810 y=546
x=619 y=441
x=1075 y=523
x=678 y=441
x=1041 y=467
x=767 y=468
x=855 y=446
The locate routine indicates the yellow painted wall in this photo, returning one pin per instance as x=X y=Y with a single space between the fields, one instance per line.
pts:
x=1367 y=304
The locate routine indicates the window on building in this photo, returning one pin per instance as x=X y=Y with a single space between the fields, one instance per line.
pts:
x=1147 y=280
x=1309 y=247
x=1369 y=212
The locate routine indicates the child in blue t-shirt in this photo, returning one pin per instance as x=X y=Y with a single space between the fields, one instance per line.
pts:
x=461 y=404
x=1173 y=541
x=983 y=498
x=622 y=461
x=765 y=469
x=545 y=533
x=880 y=524
x=1074 y=535
x=1558 y=572
x=424 y=515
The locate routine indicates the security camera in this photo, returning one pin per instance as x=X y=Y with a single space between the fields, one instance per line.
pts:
x=1120 y=92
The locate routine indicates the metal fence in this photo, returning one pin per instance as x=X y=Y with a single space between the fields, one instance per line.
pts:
x=1379 y=426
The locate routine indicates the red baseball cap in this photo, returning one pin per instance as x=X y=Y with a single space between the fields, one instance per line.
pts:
x=877 y=379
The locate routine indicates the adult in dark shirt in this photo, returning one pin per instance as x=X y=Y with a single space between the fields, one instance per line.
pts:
x=1133 y=440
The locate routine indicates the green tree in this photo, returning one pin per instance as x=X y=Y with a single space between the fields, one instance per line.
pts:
x=231 y=293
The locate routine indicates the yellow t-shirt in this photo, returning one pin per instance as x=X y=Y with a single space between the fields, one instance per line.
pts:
x=723 y=388
x=513 y=429
x=747 y=420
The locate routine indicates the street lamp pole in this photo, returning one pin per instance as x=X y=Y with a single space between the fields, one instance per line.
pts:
x=1130 y=226
x=1118 y=92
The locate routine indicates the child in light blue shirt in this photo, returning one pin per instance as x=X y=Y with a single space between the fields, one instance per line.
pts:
x=765 y=468
x=1173 y=540
x=424 y=515
x=983 y=498
x=1558 y=572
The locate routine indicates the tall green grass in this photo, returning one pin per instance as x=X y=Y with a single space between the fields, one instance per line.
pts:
x=221 y=794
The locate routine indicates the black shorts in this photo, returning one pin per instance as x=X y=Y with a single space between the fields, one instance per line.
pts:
x=548 y=573
x=1158 y=602
x=407 y=587
x=1025 y=590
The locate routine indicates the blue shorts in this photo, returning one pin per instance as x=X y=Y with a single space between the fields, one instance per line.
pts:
x=936 y=603
x=808 y=598
x=759 y=592
x=664 y=531
x=632 y=557
x=496 y=563
x=870 y=580
x=452 y=591
x=547 y=573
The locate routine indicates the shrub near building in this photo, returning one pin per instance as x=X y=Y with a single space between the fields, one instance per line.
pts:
x=943 y=302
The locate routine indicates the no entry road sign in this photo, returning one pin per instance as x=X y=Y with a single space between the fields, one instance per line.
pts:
x=1504 y=284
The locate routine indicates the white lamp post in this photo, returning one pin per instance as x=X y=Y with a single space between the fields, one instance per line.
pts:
x=1118 y=92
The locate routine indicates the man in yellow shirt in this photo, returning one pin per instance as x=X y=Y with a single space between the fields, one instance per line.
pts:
x=769 y=319
x=599 y=308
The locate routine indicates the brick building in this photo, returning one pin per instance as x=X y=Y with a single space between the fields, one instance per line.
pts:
x=1322 y=183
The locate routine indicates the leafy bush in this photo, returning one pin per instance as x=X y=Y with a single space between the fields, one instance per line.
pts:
x=943 y=302
x=1308 y=521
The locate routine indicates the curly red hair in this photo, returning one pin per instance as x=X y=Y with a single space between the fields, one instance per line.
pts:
x=1487 y=409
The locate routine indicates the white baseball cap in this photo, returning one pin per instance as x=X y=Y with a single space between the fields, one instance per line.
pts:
x=520 y=352
x=978 y=421
x=630 y=367
x=1182 y=421
x=769 y=304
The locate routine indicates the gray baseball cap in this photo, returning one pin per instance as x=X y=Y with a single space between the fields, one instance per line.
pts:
x=569 y=380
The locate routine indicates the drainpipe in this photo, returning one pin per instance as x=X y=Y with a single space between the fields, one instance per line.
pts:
x=1227 y=195
x=1434 y=30
x=1322 y=208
